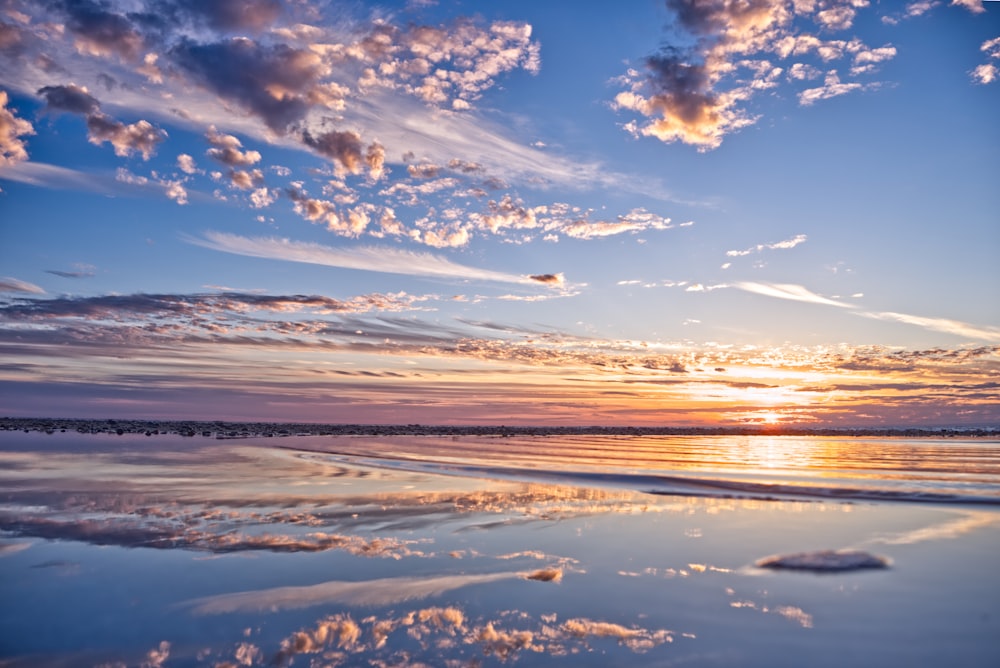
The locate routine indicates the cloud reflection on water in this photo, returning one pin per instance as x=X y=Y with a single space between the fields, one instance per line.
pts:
x=383 y=591
x=452 y=638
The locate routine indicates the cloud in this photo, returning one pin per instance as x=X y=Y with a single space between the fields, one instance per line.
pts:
x=44 y=175
x=9 y=548
x=788 y=291
x=273 y=81
x=718 y=57
x=369 y=258
x=988 y=72
x=346 y=148
x=186 y=164
x=122 y=308
x=228 y=15
x=12 y=147
x=778 y=245
x=81 y=271
x=974 y=6
x=8 y=284
x=71 y=98
x=682 y=103
x=549 y=279
x=175 y=58
x=226 y=150
x=141 y=136
x=800 y=293
x=155 y=657
x=100 y=32
x=832 y=87
x=945 y=325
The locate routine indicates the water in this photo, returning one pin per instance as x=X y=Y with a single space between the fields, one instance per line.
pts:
x=170 y=551
x=938 y=470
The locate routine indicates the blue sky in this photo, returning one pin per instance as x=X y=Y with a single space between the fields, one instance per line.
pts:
x=673 y=212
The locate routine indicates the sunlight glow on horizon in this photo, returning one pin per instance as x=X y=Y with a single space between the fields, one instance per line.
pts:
x=664 y=214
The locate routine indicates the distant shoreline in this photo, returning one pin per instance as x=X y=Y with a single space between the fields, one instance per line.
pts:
x=224 y=429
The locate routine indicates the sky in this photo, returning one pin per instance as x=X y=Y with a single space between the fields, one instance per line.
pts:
x=679 y=212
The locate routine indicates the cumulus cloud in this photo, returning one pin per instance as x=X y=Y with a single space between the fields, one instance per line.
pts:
x=9 y=284
x=12 y=147
x=988 y=72
x=974 y=6
x=176 y=191
x=186 y=164
x=389 y=260
x=97 y=30
x=271 y=81
x=226 y=150
x=832 y=87
x=139 y=137
x=227 y=15
x=697 y=88
x=71 y=98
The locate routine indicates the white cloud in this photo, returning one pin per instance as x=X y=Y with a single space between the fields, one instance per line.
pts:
x=186 y=164
x=974 y=6
x=777 y=245
x=788 y=291
x=802 y=294
x=53 y=176
x=12 y=128
x=366 y=258
x=9 y=284
x=944 y=325
x=988 y=72
x=832 y=87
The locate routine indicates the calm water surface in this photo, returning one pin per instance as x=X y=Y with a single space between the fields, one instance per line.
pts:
x=316 y=551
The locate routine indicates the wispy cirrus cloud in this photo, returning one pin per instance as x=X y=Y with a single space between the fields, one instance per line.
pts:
x=788 y=291
x=944 y=325
x=802 y=294
x=80 y=270
x=364 y=258
x=45 y=175
x=10 y=284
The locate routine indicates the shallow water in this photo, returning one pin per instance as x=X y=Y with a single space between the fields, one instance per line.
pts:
x=357 y=551
x=938 y=470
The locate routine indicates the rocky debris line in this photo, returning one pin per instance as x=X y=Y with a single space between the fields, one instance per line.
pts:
x=226 y=430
